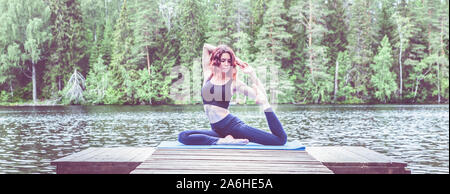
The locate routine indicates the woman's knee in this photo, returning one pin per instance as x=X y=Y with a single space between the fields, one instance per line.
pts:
x=280 y=140
x=283 y=140
x=182 y=136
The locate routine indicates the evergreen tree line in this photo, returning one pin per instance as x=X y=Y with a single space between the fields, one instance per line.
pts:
x=145 y=51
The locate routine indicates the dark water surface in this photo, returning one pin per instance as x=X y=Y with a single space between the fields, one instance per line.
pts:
x=31 y=137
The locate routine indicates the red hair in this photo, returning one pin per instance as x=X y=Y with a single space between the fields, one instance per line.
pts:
x=215 y=59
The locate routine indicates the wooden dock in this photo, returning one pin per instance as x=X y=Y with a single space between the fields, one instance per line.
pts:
x=357 y=160
x=315 y=160
x=120 y=160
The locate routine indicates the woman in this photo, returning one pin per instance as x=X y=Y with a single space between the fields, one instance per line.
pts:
x=220 y=83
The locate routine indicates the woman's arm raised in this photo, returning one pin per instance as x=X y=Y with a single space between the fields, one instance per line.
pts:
x=207 y=50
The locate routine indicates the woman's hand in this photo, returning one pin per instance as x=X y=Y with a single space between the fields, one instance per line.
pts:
x=246 y=68
x=210 y=48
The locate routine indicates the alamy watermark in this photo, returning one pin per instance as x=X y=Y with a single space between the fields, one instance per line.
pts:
x=189 y=81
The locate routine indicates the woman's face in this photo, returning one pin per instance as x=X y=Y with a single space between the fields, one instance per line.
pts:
x=225 y=62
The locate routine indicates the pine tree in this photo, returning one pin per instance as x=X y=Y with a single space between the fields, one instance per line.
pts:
x=67 y=46
x=106 y=43
x=361 y=38
x=385 y=25
x=240 y=37
x=97 y=81
x=221 y=22
x=147 y=25
x=124 y=71
x=343 y=89
x=383 y=79
x=318 y=84
x=257 y=10
x=272 y=46
x=335 y=39
x=190 y=27
x=418 y=61
x=164 y=60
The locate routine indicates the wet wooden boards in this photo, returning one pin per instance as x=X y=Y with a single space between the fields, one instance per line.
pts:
x=357 y=160
x=120 y=160
x=230 y=161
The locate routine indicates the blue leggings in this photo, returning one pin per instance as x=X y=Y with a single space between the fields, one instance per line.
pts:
x=231 y=125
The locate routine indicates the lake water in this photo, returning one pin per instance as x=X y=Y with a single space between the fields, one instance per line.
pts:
x=31 y=137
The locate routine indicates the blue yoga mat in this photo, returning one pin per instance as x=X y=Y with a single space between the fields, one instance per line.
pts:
x=294 y=145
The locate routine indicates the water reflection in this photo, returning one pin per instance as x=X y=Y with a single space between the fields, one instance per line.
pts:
x=30 y=137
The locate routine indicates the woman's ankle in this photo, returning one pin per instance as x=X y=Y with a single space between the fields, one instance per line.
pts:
x=267 y=108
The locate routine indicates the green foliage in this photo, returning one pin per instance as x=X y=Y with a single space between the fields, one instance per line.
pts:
x=221 y=24
x=97 y=82
x=67 y=48
x=191 y=31
x=345 y=90
x=114 y=96
x=144 y=89
x=317 y=83
x=5 y=96
x=24 y=34
x=129 y=51
x=383 y=79
x=122 y=67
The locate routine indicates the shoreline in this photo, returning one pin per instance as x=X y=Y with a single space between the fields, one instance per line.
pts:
x=295 y=104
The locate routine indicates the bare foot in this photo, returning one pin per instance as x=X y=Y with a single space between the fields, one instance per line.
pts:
x=229 y=140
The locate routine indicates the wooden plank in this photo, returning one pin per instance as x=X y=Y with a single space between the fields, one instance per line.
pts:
x=307 y=168
x=234 y=158
x=225 y=161
x=368 y=170
x=142 y=154
x=227 y=171
x=88 y=156
x=374 y=157
x=228 y=153
x=117 y=160
x=351 y=155
x=221 y=154
x=119 y=154
x=75 y=156
x=230 y=150
x=335 y=155
x=357 y=160
x=231 y=167
x=228 y=161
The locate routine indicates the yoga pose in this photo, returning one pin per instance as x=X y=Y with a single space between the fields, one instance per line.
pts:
x=220 y=83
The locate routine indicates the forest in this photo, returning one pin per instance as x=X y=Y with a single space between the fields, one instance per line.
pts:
x=148 y=52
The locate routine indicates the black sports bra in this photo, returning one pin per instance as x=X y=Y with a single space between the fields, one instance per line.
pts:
x=218 y=95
